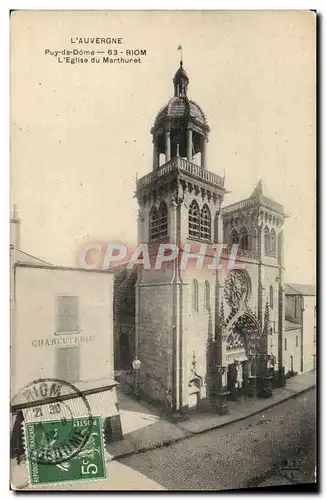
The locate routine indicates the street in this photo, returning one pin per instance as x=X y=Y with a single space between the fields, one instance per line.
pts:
x=275 y=447
x=272 y=448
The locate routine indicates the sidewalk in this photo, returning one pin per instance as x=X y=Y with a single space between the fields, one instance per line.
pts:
x=144 y=429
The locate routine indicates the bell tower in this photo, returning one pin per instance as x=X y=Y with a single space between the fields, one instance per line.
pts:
x=179 y=203
x=256 y=225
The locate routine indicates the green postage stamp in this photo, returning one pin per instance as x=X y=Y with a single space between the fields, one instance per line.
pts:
x=65 y=450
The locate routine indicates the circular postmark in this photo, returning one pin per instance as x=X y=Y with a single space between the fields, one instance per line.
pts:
x=57 y=420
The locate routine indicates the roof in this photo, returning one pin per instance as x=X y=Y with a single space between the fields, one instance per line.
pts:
x=181 y=107
x=49 y=267
x=259 y=196
x=295 y=289
x=260 y=189
x=290 y=325
x=27 y=258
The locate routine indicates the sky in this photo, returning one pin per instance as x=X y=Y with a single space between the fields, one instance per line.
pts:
x=81 y=133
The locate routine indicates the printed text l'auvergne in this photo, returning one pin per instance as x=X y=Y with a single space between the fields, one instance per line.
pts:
x=96 y=40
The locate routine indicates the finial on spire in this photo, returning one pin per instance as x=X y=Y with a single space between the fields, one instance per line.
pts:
x=180 y=48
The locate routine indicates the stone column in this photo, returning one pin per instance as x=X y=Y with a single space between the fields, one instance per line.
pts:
x=167 y=146
x=189 y=144
x=221 y=390
x=142 y=237
x=252 y=379
x=265 y=378
x=239 y=379
x=155 y=155
x=138 y=304
x=221 y=380
x=204 y=152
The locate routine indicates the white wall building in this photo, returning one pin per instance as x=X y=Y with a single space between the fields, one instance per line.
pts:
x=299 y=349
x=62 y=327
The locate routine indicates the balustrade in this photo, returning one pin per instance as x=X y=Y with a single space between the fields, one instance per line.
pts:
x=182 y=165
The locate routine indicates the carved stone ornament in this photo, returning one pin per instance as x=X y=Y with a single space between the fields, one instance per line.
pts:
x=220 y=370
x=236 y=289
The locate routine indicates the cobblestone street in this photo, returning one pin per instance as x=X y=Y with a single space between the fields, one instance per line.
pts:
x=249 y=453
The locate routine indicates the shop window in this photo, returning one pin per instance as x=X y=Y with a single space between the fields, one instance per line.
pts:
x=67 y=314
x=67 y=363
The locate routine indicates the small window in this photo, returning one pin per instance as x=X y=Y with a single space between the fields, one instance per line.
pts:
x=314 y=362
x=67 y=314
x=272 y=246
x=266 y=240
x=244 y=239
x=285 y=344
x=195 y=295
x=297 y=341
x=234 y=237
x=207 y=295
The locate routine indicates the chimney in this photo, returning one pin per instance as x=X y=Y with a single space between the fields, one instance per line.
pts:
x=15 y=230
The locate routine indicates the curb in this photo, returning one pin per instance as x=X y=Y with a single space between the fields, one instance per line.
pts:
x=255 y=412
x=189 y=434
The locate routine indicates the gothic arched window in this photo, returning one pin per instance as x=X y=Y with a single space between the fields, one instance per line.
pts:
x=244 y=239
x=252 y=240
x=272 y=249
x=207 y=295
x=194 y=220
x=205 y=223
x=158 y=222
x=153 y=223
x=266 y=240
x=271 y=297
x=162 y=220
x=234 y=237
x=195 y=295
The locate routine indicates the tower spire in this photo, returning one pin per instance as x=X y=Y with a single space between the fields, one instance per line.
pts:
x=180 y=79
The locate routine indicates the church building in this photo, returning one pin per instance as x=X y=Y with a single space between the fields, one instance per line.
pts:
x=203 y=334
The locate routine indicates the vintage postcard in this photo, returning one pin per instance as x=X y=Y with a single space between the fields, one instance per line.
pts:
x=163 y=298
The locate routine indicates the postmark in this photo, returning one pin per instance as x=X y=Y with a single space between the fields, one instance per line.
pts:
x=51 y=399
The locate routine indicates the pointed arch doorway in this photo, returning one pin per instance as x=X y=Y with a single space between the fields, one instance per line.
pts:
x=243 y=351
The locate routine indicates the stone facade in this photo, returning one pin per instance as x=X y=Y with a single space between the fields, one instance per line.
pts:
x=203 y=332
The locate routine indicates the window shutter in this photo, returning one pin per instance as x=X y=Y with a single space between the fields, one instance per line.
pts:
x=67 y=314
x=67 y=363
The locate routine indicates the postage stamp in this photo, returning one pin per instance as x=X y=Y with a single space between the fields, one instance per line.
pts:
x=62 y=440
x=54 y=453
